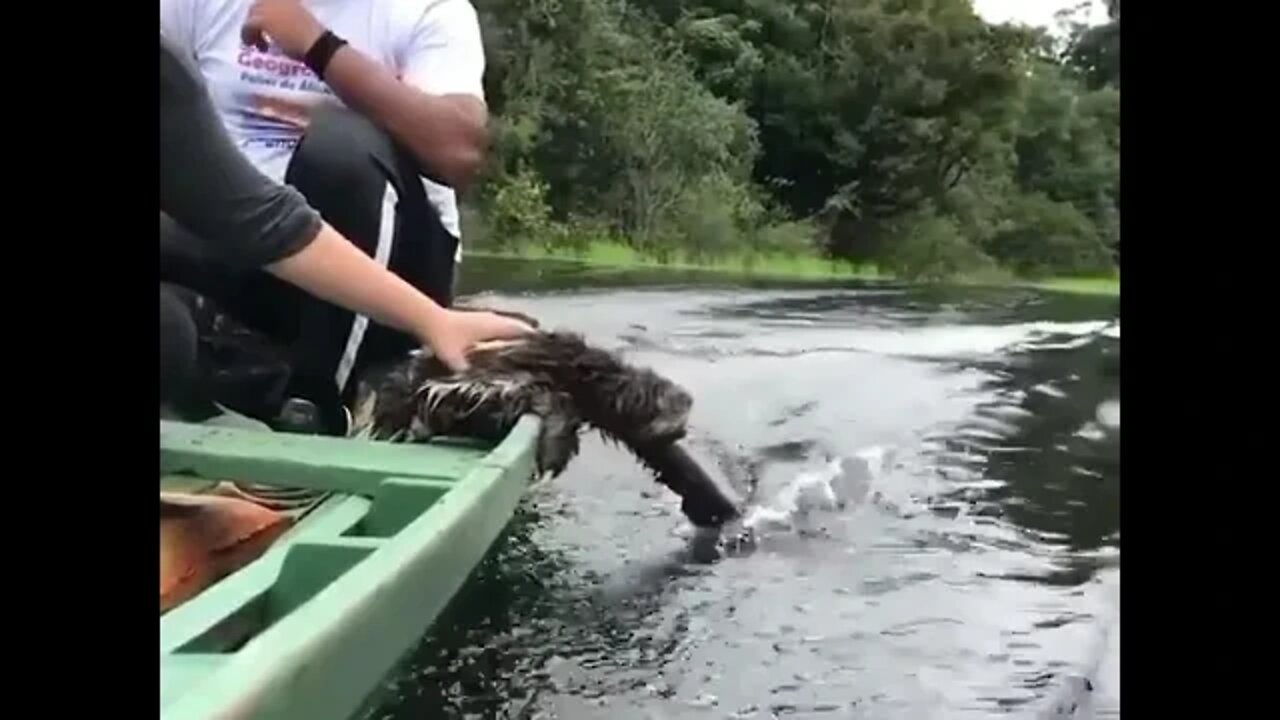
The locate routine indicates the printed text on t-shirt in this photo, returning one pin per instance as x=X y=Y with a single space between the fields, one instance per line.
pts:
x=275 y=69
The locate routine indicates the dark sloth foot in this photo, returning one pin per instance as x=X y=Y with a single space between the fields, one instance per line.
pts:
x=707 y=509
x=706 y=502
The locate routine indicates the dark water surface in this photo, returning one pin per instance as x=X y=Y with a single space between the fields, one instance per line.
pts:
x=934 y=483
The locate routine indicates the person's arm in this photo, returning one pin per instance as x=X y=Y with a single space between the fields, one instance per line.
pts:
x=333 y=269
x=210 y=188
x=448 y=134
x=436 y=111
x=207 y=186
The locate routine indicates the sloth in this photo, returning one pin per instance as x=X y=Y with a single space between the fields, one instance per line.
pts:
x=569 y=384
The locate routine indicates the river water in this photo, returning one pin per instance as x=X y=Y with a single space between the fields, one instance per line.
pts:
x=933 y=481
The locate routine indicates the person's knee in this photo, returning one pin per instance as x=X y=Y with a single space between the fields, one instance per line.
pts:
x=342 y=149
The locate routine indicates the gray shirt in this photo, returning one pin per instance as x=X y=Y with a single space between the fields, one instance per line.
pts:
x=209 y=188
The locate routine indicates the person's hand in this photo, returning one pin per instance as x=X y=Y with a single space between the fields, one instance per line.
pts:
x=285 y=22
x=453 y=335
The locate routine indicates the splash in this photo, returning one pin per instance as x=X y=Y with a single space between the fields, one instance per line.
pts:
x=1108 y=415
x=840 y=484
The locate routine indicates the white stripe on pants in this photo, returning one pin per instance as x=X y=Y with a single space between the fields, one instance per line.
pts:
x=382 y=255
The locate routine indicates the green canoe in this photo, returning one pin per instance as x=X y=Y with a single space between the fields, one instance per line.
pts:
x=310 y=629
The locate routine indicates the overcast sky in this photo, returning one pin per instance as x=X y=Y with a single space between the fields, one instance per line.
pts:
x=1034 y=12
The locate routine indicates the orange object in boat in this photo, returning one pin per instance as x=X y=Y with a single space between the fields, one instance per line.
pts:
x=204 y=538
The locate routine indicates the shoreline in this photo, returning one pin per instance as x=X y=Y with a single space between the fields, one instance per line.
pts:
x=793 y=268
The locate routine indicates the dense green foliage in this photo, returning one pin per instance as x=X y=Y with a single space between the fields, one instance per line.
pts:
x=908 y=134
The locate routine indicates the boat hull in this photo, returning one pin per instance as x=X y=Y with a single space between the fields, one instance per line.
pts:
x=312 y=627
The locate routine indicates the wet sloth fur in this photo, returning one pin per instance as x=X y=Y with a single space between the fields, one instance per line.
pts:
x=570 y=385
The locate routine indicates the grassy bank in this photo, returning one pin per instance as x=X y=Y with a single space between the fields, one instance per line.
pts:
x=1082 y=285
x=785 y=267
x=617 y=255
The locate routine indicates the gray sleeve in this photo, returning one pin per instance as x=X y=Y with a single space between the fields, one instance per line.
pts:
x=210 y=188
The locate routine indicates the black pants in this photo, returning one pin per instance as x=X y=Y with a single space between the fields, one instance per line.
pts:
x=178 y=342
x=369 y=190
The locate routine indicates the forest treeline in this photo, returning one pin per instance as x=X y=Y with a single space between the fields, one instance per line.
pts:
x=906 y=134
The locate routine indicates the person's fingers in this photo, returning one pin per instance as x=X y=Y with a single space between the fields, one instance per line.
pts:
x=454 y=359
x=469 y=329
x=507 y=327
x=251 y=34
x=515 y=329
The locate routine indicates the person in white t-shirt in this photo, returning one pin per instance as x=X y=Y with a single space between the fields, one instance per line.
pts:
x=375 y=111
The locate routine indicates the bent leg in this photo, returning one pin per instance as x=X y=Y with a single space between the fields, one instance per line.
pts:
x=242 y=323
x=370 y=191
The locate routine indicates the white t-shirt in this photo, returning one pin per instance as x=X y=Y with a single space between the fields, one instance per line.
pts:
x=264 y=98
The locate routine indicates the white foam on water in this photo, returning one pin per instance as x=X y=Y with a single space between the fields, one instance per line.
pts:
x=1108 y=414
x=964 y=340
x=1048 y=389
x=1091 y=431
x=929 y=341
x=836 y=485
x=1106 y=419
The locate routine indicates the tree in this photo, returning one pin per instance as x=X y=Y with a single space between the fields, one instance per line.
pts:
x=1094 y=52
x=917 y=134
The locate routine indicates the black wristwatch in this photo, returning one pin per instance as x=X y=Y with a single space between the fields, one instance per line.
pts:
x=322 y=51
